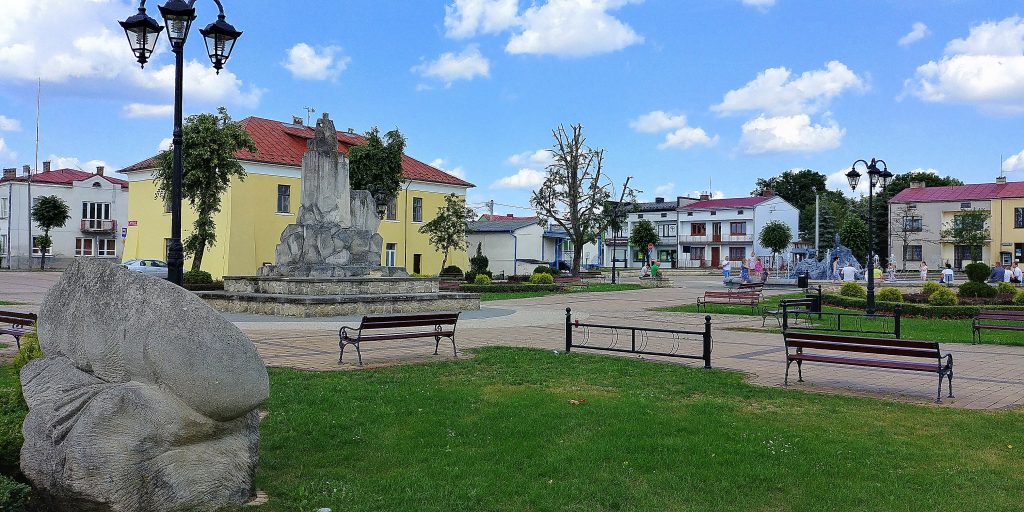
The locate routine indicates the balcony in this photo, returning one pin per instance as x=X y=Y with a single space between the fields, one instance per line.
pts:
x=716 y=239
x=99 y=226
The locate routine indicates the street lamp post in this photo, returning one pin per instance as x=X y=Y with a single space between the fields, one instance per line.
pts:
x=876 y=178
x=142 y=32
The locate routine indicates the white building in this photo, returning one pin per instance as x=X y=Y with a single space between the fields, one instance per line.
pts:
x=98 y=206
x=712 y=229
x=661 y=213
x=517 y=245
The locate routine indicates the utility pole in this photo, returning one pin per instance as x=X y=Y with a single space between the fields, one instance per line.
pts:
x=309 y=110
x=490 y=209
x=615 y=217
x=816 y=222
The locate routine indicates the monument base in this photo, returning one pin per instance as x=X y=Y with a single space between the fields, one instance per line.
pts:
x=336 y=296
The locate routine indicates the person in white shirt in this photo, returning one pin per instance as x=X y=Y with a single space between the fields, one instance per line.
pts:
x=726 y=270
x=1008 y=275
x=849 y=273
x=947 y=274
x=1017 y=273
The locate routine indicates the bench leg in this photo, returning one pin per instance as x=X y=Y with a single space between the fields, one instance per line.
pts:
x=437 y=343
x=359 y=354
x=341 y=346
x=938 y=394
x=950 y=377
x=785 y=382
x=455 y=351
x=800 y=370
x=17 y=340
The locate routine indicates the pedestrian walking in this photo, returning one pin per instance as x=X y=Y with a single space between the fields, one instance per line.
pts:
x=924 y=270
x=726 y=269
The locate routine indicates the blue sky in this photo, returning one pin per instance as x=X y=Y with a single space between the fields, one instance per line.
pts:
x=682 y=95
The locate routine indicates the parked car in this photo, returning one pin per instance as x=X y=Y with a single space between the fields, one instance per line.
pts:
x=154 y=268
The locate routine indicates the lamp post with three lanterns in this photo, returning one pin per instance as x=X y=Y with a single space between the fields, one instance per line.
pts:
x=876 y=178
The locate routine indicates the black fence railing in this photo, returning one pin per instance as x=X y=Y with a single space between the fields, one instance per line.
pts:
x=640 y=339
x=804 y=320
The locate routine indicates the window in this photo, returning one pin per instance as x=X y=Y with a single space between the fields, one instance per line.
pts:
x=737 y=228
x=619 y=253
x=713 y=212
x=167 y=204
x=566 y=245
x=392 y=213
x=389 y=254
x=106 y=247
x=696 y=253
x=965 y=206
x=739 y=212
x=35 y=246
x=284 y=199
x=912 y=253
x=95 y=211
x=689 y=214
x=83 y=247
x=663 y=215
x=4 y=250
x=698 y=229
x=4 y=208
x=666 y=255
x=913 y=225
x=416 y=259
x=417 y=209
x=666 y=229
x=737 y=253
x=1018 y=217
x=639 y=256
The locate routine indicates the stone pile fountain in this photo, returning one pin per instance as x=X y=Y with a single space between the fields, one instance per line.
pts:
x=822 y=270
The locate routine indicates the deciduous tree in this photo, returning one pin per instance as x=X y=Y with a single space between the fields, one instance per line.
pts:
x=854 y=234
x=377 y=165
x=49 y=212
x=969 y=228
x=776 y=236
x=447 y=231
x=643 y=234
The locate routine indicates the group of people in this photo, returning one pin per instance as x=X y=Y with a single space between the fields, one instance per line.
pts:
x=1007 y=275
x=749 y=267
x=650 y=269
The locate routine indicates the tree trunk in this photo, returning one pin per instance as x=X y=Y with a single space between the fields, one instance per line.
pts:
x=577 y=254
x=197 y=258
x=444 y=261
x=42 y=252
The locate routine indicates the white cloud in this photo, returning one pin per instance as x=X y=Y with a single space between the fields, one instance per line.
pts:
x=789 y=134
x=70 y=162
x=985 y=69
x=467 y=18
x=657 y=121
x=456 y=171
x=147 y=110
x=572 y=28
x=525 y=178
x=687 y=137
x=540 y=157
x=5 y=153
x=203 y=83
x=665 y=190
x=308 y=63
x=760 y=4
x=165 y=144
x=1015 y=163
x=681 y=136
x=774 y=93
x=917 y=33
x=449 y=67
x=837 y=181
x=9 y=125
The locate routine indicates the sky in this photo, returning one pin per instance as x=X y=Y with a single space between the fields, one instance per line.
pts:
x=685 y=96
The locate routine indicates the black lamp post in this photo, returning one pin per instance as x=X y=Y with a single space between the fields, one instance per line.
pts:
x=143 y=32
x=876 y=178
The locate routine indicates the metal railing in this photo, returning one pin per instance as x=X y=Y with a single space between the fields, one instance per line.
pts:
x=638 y=345
x=99 y=225
x=825 y=321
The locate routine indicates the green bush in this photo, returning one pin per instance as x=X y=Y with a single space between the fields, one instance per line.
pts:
x=890 y=295
x=544 y=269
x=482 y=279
x=197 y=277
x=12 y=414
x=978 y=272
x=478 y=264
x=509 y=288
x=915 y=310
x=943 y=297
x=1018 y=298
x=931 y=287
x=29 y=350
x=542 y=278
x=852 y=289
x=975 y=289
x=1004 y=287
x=14 y=495
x=452 y=270
x=471 y=275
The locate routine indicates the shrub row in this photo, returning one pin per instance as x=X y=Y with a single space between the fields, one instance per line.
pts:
x=508 y=288
x=206 y=287
x=916 y=310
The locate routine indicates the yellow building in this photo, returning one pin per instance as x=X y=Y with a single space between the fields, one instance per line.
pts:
x=256 y=210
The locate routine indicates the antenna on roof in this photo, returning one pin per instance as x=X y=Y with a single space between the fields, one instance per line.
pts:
x=309 y=110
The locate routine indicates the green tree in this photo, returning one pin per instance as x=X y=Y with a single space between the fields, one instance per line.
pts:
x=776 y=236
x=854 y=234
x=798 y=189
x=447 y=231
x=970 y=228
x=49 y=212
x=377 y=165
x=210 y=142
x=835 y=208
x=575 y=190
x=642 y=235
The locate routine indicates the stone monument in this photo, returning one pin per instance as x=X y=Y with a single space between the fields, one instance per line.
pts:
x=146 y=399
x=822 y=270
x=328 y=262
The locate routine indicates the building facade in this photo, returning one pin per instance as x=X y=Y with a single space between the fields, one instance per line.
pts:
x=517 y=245
x=256 y=210
x=663 y=215
x=98 y=206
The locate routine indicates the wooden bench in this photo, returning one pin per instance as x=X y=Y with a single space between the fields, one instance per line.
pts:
x=751 y=287
x=591 y=274
x=986 y=318
x=906 y=349
x=795 y=306
x=16 y=324
x=738 y=298
x=569 y=280
x=411 y=325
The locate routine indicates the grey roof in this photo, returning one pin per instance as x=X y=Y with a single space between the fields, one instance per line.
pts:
x=499 y=226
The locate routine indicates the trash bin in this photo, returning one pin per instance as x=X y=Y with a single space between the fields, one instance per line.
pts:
x=802 y=279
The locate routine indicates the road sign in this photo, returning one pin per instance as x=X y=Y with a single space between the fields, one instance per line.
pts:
x=124 y=232
x=133 y=223
x=650 y=246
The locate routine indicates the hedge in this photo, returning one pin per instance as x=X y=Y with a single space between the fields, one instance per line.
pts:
x=508 y=288
x=915 y=310
x=214 y=286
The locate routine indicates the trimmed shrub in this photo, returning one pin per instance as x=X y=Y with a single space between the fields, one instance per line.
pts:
x=542 y=278
x=216 y=285
x=943 y=297
x=478 y=264
x=978 y=272
x=14 y=495
x=471 y=275
x=890 y=295
x=975 y=289
x=852 y=289
x=931 y=287
x=1005 y=287
x=197 y=277
x=1018 y=299
x=12 y=414
x=482 y=279
x=452 y=270
x=508 y=288
x=915 y=310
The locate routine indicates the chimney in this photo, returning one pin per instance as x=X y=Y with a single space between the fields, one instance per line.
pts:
x=296 y=120
x=1001 y=180
x=10 y=173
x=768 y=193
x=705 y=197
x=26 y=170
x=916 y=184
x=46 y=166
x=659 y=199
x=351 y=130
x=99 y=170
x=509 y=215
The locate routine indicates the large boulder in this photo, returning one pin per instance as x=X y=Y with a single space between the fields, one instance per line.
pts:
x=146 y=400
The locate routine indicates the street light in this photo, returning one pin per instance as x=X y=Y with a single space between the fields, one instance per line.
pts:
x=876 y=178
x=142 y=32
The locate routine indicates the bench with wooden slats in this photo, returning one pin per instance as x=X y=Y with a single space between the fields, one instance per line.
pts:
x=792 y=306
x=16 y=324
x=745 y=298
x=987 y=318
x=830 y=348
x=399 y=327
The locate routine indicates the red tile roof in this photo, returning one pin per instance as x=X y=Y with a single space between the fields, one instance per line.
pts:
x=729 y=202
x=284 y=144
x=973 y=192
x=64 y=177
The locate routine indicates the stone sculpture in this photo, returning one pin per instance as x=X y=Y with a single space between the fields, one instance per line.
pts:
x=822 y=270
x=146 y=399
x=335 y=234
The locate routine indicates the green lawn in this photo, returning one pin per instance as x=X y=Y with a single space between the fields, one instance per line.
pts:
x=497 y=432
x=943 y=331
x=597 y=287
x=7 y=303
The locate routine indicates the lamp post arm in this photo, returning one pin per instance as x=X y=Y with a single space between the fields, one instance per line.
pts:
x=865 y=162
